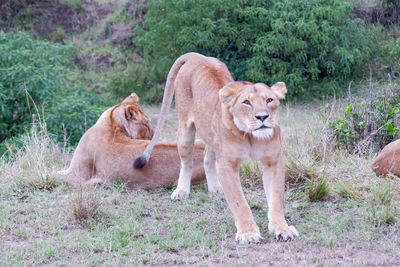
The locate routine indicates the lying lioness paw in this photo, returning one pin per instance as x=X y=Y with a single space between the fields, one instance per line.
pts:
x=106 y=151
x=237 y=121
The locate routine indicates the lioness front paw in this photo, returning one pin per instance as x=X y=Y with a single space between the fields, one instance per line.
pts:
x=179 y=194
x=284 y=233
x=248 y=238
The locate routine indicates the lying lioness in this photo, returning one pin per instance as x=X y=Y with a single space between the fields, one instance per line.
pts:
x=388 y=161
x=237 y=121
x=106 y=152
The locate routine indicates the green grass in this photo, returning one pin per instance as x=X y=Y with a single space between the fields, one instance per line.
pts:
x=318 y=190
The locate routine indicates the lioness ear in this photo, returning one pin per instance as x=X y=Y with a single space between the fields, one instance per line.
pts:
x=134 y=97
x=130 y=112
x=226 y=94
x=279 y=89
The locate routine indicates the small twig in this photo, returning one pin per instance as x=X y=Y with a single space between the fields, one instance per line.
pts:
x=370 y=83
x=349 y=90
x=390 y=85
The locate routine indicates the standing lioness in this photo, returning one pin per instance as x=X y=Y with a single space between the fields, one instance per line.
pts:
x=237 y=121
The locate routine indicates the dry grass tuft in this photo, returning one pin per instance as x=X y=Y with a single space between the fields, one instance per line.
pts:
x=85 y=204
x=32 y=165
x=347 y=190
x=300 y=172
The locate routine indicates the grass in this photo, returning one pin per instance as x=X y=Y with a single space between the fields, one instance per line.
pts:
x=357 y=223
x=318 y=190
x=85 y=204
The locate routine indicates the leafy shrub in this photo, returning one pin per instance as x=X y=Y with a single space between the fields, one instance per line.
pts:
x=299 y=42
x=389 y=57
x=368 y=123
x=31 y=71
x=135 y=78
x=33 y=81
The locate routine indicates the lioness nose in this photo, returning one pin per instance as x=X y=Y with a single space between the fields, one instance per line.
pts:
x=262 y=118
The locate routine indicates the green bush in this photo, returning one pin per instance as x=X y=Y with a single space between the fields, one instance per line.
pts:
x=33 y=82
x=135 y=78
x=367 y=124
x=300 y=42
x=31 y=72
x=390 y=57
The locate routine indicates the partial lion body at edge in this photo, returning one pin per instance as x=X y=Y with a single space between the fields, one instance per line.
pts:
x=388 y=160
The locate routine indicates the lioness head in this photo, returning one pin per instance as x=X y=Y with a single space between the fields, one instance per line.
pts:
x=254 y=107
x=128 y=117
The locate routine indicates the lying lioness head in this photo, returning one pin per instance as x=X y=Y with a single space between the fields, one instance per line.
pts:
x=128 y=118
x=106 y=151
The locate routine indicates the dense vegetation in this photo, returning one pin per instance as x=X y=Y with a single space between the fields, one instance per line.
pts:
x=31 y=72
x=33 y=83
x=314 y=46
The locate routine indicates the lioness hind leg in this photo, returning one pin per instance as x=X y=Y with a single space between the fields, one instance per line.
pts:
x=211 y=171
x=186 y=136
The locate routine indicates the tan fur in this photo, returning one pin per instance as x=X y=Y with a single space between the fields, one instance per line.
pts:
x=388 y=161
x=106 y=151
x=228 y=115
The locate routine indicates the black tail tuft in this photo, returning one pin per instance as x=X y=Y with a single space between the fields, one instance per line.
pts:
x=140 y=162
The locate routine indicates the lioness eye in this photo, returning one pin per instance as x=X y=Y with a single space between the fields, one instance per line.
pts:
x=247 y=102
x=269 y=100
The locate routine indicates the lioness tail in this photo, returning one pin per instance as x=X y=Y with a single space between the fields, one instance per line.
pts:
x=166 y=103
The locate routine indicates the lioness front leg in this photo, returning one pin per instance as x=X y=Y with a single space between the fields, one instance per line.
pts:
x=274 y=186
x=228 y=174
